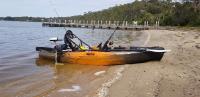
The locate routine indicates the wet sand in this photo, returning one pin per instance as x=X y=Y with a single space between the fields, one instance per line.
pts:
x=176 y=75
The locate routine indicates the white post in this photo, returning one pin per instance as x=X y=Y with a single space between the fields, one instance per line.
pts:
x=83 y=22
x=50 y=22
x=147 y=23
x=136 y=23
x=114 y=23
x=126 y=23
x=156 y=24
x=123 y=24
x=98 y=23
x=80 y=22
x=118 y=23
x=94 y=22
x=109 y=23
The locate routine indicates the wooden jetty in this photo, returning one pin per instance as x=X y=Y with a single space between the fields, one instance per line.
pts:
x=122 y=25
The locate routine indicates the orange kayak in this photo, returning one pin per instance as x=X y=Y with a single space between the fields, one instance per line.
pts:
x=112 y=57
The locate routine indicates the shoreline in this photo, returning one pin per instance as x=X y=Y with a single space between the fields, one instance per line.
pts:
x=176 y=75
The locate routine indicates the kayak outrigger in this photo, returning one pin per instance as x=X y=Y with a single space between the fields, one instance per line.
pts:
x=82 y=53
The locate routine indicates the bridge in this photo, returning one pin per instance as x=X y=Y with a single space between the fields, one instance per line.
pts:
x=121 y=25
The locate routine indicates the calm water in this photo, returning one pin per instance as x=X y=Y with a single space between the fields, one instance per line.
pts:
x=19 y=39
x=21 y=71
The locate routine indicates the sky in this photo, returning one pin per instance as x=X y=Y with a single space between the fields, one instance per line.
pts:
x=46 y=8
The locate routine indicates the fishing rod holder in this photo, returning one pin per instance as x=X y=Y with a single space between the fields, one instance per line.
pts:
x=55 y=39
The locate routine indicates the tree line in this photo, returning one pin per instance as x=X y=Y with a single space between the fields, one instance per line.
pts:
x=23 y=18
x=168 y=13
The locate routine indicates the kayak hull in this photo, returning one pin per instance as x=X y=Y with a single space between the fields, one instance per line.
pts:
x=102 y=58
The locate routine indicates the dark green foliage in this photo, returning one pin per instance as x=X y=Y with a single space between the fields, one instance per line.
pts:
x=167 y=12
x=24 y=18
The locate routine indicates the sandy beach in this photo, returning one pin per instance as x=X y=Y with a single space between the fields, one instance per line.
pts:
x=176 y=75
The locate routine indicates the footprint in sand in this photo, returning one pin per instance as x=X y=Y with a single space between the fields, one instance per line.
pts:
x=196 y=37
x=188 y=42
x=197 y=46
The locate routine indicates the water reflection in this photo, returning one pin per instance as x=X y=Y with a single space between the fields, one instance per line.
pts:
x=67 y=69
x=67 y=75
